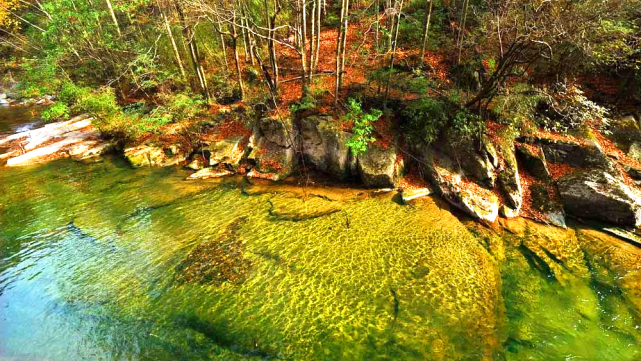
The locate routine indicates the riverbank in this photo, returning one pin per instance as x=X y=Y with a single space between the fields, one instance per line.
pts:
x=543 y=176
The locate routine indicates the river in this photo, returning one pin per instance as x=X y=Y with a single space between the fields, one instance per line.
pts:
x=104 y=262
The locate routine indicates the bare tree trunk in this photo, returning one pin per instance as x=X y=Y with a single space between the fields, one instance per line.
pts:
x=345 y=33
x=241 y=87
x=303 y=48
x=462 y=29
x=391 y=62
x=174 y=47
x=273 y=61
x=428 y=17
x=339 y=52
x=113 y=16
x=189 y=35
x=312 y=45
x=318 y=34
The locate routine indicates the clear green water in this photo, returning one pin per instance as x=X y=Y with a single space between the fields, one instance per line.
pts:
x=93 y=267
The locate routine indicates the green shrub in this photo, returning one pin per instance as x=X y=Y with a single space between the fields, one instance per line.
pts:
x=466 y=124
x=363 y=128
x=70 y=92
x=57 y=111
x=423 y=120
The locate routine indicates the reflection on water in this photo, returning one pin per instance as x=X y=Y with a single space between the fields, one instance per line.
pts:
x=104 y=262
x=15 y=119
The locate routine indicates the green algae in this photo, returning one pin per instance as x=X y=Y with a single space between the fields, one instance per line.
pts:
x=102 y=250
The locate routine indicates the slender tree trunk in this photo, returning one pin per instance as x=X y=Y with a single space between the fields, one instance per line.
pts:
x=391 y=62
x=339 y=52
x=189 y=35
x=273 y=61
x=428 y=17
x=345 y=33
x=304 y=48
x=174 y=47
x=113 y=17
x=312 y=45
x=241 y=87
x=462 y=29
x=318 y=34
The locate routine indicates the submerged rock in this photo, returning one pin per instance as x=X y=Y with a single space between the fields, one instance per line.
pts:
x=216 y=262
x=379 y=167
x=410 y=195
x=208 y=173
x=599 y=195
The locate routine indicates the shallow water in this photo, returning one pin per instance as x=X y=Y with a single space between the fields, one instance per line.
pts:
x=97 y=262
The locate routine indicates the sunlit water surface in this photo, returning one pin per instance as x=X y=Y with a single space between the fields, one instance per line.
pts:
x=96 y=263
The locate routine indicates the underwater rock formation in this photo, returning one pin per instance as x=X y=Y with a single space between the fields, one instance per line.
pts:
x=216 y=262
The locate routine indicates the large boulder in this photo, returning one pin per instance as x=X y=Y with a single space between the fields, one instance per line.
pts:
x=588 y=154
x=379 y=167
x=451 y=184
x=598 y=194
x=325 y=147
x=230 y=151
x=533 y=159
x=273 y=152
x=477 y=159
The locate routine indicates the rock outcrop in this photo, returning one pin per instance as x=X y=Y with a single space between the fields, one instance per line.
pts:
x=76 y=138
x=509 y=182
x=598 y=194
x=380 y=167
x=155 y=155
x=325 y=148
x=449 y=182
x=273 y=149
x=533 y=159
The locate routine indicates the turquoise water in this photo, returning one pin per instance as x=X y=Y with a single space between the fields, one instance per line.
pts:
x=103 y=262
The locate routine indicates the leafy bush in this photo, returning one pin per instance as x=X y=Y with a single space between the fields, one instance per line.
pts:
x=423 y=120
x=183 y=106
x=363 y=129
x=466 y=124
x=57 y=111
x=567 y=108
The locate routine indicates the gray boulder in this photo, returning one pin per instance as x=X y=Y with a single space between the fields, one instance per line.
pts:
x=324 y=147
x=588 y=154
x=378 y=167
x=448 y=181
x=475 y=161
x=273 y=153
x=533 y=160
x=598 y=194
